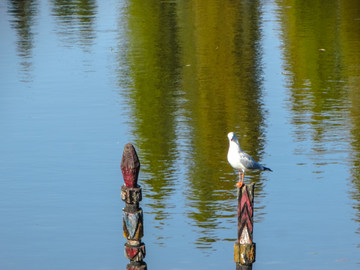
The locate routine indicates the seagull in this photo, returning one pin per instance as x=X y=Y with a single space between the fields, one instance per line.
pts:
x=240 y=160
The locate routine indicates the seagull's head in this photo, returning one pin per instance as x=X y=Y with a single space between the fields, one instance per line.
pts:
x=232 y=137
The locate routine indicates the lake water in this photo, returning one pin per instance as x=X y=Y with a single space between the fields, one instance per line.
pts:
x=80 y=79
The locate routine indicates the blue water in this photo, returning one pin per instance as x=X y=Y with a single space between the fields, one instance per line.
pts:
x=78 y=82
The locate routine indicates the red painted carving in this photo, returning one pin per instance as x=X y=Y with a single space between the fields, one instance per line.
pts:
x=245 y=220
x=245 y=214
x=130 y=166
x=245 y=200
x=132 y=213
x=131 y=252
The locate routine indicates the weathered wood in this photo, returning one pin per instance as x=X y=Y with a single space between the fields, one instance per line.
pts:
x=130 y=166
x=243 y=266
x=132 y=214
x=131 y=195
x=135 y=252
x=244 y=253
x=133 y=224
x=245 y=213
x=244 y=248
x=136 y=266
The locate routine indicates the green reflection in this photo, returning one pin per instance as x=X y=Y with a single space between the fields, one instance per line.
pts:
x=153 y=64
x=75 y=20
x=321 y=41
x=24 y=17
x=195 y=75
x=223 y=92
x=313 y=60
x=350 y=38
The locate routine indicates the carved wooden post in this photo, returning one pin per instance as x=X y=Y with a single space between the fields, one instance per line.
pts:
x=132 y=213
x=244 y=248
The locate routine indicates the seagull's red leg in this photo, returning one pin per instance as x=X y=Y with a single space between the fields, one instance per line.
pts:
x=240 y=183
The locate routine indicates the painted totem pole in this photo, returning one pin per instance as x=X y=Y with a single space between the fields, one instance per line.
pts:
x=133 y=223
x=244 y=248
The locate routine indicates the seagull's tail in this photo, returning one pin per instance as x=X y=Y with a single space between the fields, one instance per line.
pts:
x=267 y=169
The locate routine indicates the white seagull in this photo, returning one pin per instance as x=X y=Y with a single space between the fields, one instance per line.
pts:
x=240 y=160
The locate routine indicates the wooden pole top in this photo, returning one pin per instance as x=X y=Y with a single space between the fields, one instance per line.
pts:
x=130 y=166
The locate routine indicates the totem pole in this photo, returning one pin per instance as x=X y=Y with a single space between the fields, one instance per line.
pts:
x=132 y=213
x=244 y=248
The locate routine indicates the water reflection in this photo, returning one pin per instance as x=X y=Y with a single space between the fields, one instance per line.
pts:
x=318 y=98
x=222 y=86
x=350 y=39
x=24 y=17
x=153 y=66
x=75 y=21
x=188 y=73
x=75 y=25
x=191 y=83
x=322 y=66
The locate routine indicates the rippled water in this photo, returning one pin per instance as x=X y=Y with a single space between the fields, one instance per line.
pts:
x=79 y=79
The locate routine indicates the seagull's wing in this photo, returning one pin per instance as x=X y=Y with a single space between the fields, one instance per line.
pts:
x=248 y=162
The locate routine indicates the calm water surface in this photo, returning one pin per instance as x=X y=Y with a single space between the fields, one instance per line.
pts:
x=79 y=79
